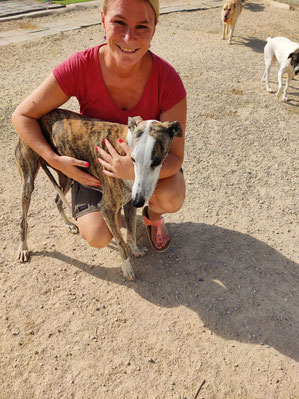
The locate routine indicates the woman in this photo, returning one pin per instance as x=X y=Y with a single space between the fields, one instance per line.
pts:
x=118 y=79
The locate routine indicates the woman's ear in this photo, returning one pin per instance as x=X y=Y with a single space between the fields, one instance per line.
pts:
x=103 y=20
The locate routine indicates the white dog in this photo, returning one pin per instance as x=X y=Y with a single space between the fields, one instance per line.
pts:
x=286 y=53
x=231 y=9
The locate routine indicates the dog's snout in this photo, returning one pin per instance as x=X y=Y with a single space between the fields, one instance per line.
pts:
x=138 y=202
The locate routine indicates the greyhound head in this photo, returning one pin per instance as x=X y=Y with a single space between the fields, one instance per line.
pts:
x=150 y=142
x=294 y=60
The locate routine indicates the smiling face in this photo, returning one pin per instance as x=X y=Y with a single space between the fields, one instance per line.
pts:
x=129 y=26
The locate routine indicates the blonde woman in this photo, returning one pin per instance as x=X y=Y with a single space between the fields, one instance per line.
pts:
x=113 y=81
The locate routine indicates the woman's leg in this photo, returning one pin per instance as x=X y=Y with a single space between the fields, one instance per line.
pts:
x=91 y=224
x=94 y=229
x=168 y=197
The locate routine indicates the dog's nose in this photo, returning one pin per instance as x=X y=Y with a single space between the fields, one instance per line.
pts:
x=138 y=202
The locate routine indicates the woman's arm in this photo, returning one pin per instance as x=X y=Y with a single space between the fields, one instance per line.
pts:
x=44 y=99
x=175 y=157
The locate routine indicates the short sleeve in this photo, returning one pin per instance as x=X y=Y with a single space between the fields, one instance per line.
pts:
x=171 y=87
x=67 y=75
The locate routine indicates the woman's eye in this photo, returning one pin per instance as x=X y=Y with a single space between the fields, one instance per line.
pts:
x=141 y=27
x=119 y=22
x=133 y=160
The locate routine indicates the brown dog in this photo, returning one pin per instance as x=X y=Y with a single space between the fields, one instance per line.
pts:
x=75 y=135
x=230 y=12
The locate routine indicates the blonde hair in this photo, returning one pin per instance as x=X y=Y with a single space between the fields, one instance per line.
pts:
x=154 y=4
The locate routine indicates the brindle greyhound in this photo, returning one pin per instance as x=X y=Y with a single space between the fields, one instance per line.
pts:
x=75 y=135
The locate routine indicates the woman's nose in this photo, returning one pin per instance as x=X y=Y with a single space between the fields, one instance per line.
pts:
x=129 y=34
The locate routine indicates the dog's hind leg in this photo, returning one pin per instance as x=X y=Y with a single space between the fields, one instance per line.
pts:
x=28 y=164
x=130 y=218
x=268 y=56
x=111 y=220
x=63 y=187
x=65 y=184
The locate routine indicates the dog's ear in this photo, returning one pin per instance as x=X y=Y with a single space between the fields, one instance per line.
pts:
x=174 y=129
x=291 y=56
x=133 y=122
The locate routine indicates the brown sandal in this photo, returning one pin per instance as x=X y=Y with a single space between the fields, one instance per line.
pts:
x=156 y=223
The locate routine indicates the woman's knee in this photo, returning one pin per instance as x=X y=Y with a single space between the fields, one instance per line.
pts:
x=96 y=239
x=169 y=200
x=94 y=230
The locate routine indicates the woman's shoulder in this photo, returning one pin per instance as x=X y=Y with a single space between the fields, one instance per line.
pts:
x=87 y=54
x=163 y=65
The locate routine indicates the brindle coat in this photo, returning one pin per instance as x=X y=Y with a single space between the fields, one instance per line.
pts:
x=76 y=136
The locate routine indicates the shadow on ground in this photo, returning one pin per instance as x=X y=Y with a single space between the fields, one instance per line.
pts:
x=240 y=287
x=253 y=7
x=256 y=45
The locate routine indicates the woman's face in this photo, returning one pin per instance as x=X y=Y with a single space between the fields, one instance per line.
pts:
x=129 y=26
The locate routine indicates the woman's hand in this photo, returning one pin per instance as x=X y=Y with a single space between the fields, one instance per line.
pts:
x=116 y=165
x=70 y=167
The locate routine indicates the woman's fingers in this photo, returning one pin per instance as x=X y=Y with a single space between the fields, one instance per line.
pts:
x=125 y=147
x=70 y=167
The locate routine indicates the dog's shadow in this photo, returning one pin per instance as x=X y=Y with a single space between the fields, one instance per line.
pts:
x=257 y=45
x=253 y=7
x=240 y=287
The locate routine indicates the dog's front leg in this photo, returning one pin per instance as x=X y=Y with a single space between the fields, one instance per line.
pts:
x=223 y=30
x=111 y=219
x=130 y=218
x=231 y=31
x=279 y=90
x=289 y=78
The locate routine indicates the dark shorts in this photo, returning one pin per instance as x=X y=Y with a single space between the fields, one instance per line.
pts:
x=84 y=200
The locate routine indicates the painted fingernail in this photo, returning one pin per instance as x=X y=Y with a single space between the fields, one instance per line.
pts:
x=120 y=141
x=97 y=148
x=105 y=140
x=86 y=164
x=98 y=159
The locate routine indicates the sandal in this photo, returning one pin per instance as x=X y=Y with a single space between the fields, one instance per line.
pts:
x=159 y=238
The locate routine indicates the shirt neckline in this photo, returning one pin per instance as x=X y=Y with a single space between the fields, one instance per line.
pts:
x=150 y=77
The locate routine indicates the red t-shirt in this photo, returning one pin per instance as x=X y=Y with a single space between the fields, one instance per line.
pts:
x=80 y=76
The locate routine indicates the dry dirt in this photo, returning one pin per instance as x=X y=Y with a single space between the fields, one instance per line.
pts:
x=217 y=315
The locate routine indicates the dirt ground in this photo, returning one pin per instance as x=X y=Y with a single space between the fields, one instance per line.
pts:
x=217 y=315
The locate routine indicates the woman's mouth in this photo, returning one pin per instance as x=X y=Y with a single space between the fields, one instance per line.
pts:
x=127 y=50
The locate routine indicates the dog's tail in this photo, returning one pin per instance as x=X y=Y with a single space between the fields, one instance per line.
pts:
x=269 y=38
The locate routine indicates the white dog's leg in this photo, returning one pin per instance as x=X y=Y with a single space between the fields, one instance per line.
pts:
x=285 y=97
x=266 y=77
x=279 y=90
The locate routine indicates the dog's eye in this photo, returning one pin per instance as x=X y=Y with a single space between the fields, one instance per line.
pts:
x=156 y=162
x=133 y=160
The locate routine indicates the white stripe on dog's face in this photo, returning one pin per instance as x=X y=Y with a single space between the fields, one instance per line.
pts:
x=146 y=176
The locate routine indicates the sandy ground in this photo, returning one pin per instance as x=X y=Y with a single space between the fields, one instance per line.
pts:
x=217 y=315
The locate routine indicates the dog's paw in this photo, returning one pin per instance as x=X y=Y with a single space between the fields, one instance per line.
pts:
x=285 y=98
x=270 y=90
x=73 y=228
x=138 y=252
x=128 y=272
x=23 y=254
